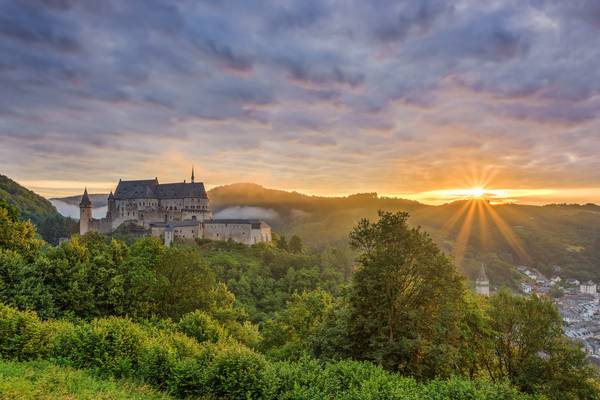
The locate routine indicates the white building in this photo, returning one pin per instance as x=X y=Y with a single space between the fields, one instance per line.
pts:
x=588 y=287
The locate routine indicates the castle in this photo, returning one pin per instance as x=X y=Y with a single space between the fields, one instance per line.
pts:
x=171 y=211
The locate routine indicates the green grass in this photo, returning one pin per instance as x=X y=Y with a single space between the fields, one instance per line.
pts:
x=43 y=380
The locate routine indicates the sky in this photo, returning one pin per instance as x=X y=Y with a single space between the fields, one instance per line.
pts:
x=420 y=99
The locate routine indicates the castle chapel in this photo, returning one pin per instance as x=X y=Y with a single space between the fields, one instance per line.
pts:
x=169 y=210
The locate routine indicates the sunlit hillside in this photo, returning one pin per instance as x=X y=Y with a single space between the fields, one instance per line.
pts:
x=502 y=236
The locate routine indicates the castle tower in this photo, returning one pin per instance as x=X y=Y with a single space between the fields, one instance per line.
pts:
x=482 y=283
x=111 y=212
x=85 y=213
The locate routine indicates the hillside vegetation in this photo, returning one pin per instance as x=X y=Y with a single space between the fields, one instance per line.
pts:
x=43 y=380
x=51 y=225
x=219 y=320
x=30 y=205
x=500 y=236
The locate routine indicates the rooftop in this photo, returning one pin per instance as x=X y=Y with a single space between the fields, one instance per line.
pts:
x=175 y=224
x=151 y=189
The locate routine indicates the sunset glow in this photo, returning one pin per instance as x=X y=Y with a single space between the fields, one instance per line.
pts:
x=488 y=217
x=493 y=196
x=454 y=103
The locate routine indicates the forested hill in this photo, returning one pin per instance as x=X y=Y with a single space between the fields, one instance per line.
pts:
x=29 y=204
x=501 y=236
x=51 y=225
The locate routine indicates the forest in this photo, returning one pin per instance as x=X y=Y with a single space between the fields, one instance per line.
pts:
x=391 y=318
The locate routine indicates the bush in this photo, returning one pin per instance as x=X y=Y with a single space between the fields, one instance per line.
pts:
x=111 y=346
x=201 y=327
x=21 y=335
x=189 y=377
x=237 y=373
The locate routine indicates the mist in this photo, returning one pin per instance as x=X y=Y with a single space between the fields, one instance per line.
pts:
x=72 y=211
x=246 y=212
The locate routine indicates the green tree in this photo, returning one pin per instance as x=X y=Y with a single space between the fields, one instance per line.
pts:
x=185 y=282
x=529 y=350
x=19 y=236
x=290 y=333
x=282 y=243
x=406 y=299
x=295 y=245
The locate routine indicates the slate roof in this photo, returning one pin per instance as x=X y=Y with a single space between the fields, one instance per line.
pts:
x=256 y=224
x=151 y=189
x=180 y=190
x=142 y=189
x=85 y=200
x=175 y=224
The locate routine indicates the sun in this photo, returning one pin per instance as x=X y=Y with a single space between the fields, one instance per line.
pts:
x=476 y=192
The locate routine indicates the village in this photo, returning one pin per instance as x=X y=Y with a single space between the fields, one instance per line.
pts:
x=577 y=302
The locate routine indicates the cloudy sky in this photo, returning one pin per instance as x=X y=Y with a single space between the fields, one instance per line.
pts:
x=411 y=98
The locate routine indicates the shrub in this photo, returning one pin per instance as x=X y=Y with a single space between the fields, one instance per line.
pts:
x=201 y=327
x=35 y=380
x=189 y=378
x=156 y=361
x=110 y=346
x=21 y=335
x=237 y=373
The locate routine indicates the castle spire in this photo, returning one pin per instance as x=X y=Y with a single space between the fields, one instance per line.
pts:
x=192 y=174
x=85 y=199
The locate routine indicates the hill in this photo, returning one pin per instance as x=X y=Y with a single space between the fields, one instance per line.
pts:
x=51 y=225
x=501 y=236
x=30 y=205
x=98 y=199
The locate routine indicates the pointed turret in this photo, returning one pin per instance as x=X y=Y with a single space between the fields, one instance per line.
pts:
x=85 y=199
x=85 y=213
x=192 y=174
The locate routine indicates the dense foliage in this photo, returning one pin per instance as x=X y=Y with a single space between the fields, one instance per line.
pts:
x=223 y=320
x=175 y=363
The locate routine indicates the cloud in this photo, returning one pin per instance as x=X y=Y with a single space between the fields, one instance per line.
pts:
x=316 y=95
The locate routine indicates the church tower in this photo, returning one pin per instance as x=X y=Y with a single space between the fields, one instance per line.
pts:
x=482 y=284
x=85 y=213
x=192 y=174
